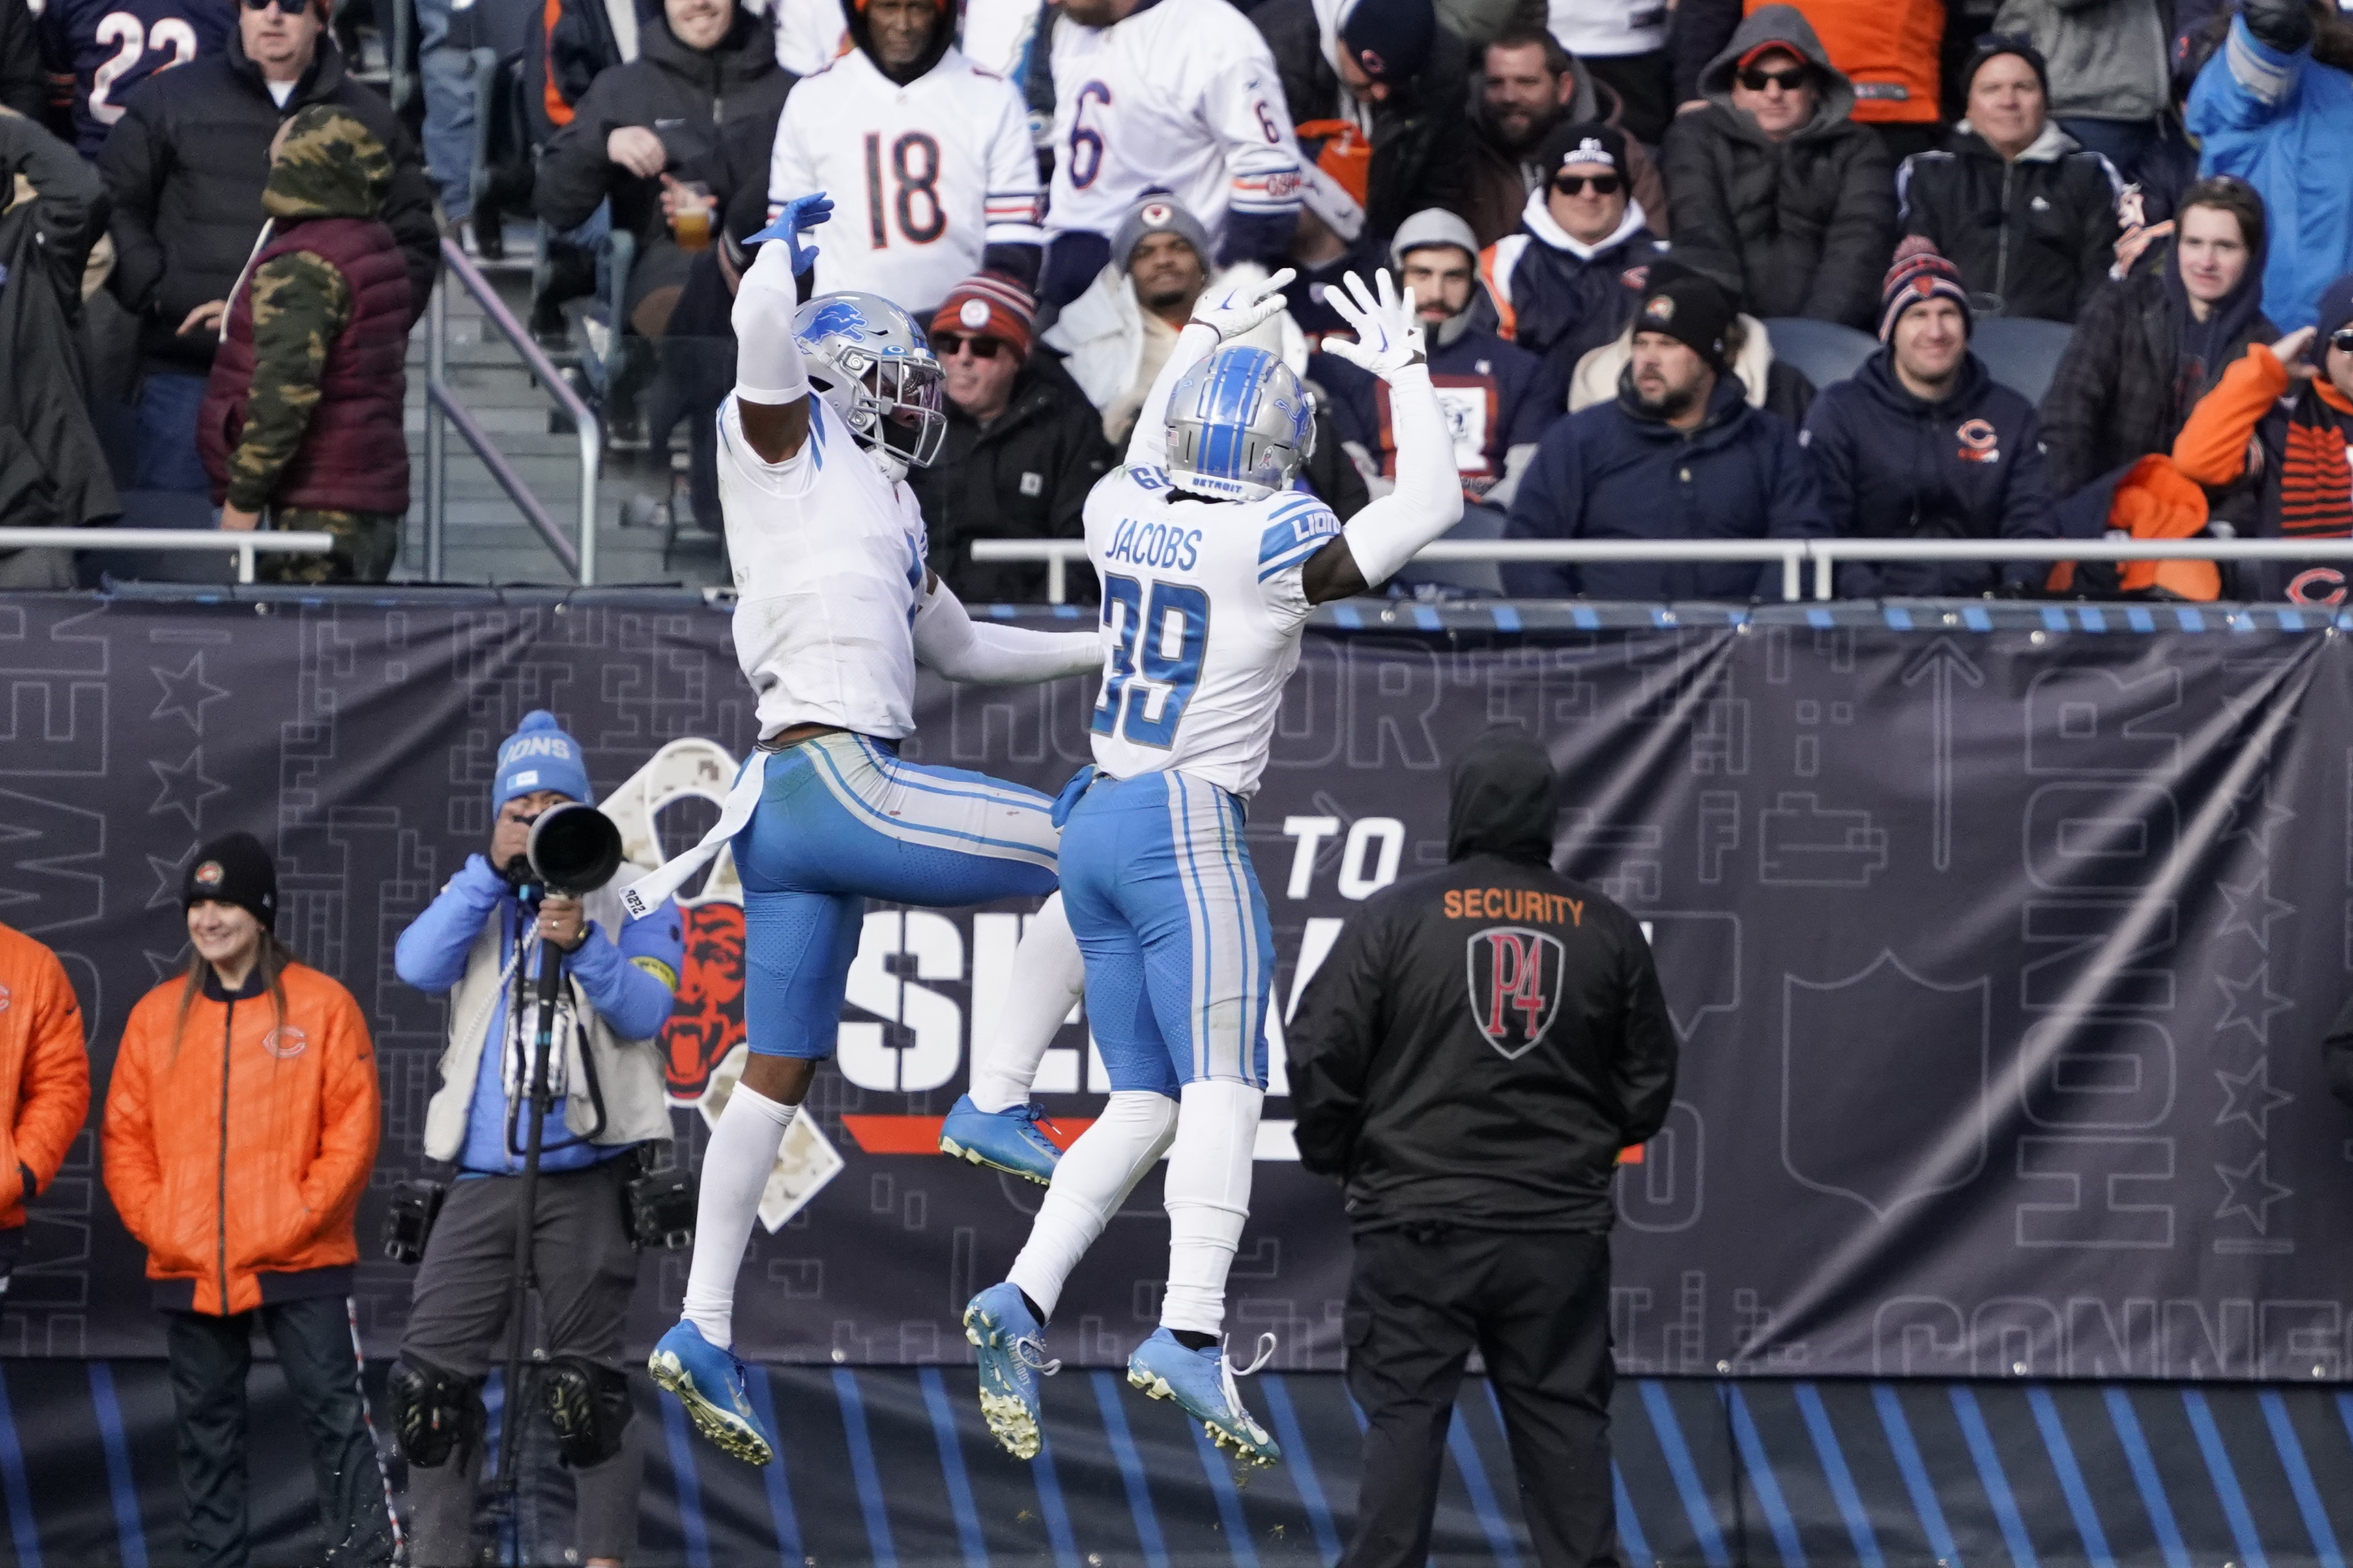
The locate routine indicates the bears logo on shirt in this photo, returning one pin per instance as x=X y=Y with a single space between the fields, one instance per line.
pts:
x=1980 y=442
x=1514 y=975
x=286 y=1042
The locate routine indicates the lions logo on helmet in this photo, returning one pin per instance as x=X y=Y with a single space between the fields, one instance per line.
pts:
x=874 y=368
x=1240 y=426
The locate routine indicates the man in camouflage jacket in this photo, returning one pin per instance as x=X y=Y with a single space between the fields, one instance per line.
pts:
x=303 y=414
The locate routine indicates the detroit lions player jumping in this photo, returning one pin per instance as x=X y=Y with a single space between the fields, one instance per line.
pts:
x=1209 y=563
x=837 y=608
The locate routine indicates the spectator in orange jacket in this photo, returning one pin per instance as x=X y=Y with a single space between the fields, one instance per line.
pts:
x=43 y=1080
x=240 y=1127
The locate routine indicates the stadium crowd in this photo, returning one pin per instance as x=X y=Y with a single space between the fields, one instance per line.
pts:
x=1822 y=270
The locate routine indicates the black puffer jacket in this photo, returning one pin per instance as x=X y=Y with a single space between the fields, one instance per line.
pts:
x=1799 y=227
x=1500 y=1104
x=2039 y=233
x=1025 y=476
x=685 y=96
x=1422 y=137
x=186 y=166
x=52 y=470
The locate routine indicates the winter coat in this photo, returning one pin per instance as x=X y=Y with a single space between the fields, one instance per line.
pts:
x=1894 y=466
x=1420 y=137
x=52 y=469
x=1802 y=227
x=1025 y=476
x=23 y=84
x=685 y=96
x=2284 y=123
x=1887 y=48
x=237 y=1141
x=44 y=1071
x=1613 y=473
x=1769 y=383
x=2040 y=233
x=2307 y=484
x=186 y=166
x=304 y=407
x=1501 y=178
x=1500 y=1104
x=1499 y=400
x=1099 y=335
x=2108 y=59
x=2119 y=392
x=1556 y=296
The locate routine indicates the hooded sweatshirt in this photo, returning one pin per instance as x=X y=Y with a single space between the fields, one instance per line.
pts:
x=1499 y=1102
x=2038 y=232
x=1559 y=297
x=1802 y=226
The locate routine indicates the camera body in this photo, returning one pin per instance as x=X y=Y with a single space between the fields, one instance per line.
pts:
x=408 y=1223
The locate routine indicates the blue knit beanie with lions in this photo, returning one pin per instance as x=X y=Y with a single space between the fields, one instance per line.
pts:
x=539 y=755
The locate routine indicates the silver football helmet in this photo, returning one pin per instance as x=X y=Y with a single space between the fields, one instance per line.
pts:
x=870 y=361
x=1240 y=426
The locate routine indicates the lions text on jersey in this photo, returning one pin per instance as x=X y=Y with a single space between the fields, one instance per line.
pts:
x=111 y=45
x=925 y=178
x=1182 y=97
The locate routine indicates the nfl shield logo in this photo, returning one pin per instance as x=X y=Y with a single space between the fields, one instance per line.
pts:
x=1516 y=987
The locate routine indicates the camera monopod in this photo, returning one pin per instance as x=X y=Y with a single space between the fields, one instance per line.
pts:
x=574 y=849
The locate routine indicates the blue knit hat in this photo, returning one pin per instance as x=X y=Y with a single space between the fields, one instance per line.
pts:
x=540 y=756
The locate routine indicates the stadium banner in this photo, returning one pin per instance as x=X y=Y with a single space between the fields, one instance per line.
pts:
x=2000 y=957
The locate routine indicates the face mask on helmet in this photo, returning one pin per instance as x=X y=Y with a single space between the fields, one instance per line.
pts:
x=1240 y=427
x=871 y=364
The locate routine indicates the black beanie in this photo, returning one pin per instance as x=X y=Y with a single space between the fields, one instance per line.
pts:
x=1992 y=47
x=1391 y=40
x=233 y=869
x=1690 y=308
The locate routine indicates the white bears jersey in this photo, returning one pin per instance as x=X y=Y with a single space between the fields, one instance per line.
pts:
x=830 y=569
x=924 y=178
x=1182 y=97
x=1202 y=606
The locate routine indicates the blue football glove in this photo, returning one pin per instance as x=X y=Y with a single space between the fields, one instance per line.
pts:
x=800 y=215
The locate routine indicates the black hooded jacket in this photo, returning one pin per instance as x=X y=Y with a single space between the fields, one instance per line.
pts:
x=1483 y=1040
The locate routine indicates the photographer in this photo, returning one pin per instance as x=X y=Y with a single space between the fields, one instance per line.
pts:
x=480 y=942
x=1477 y=1129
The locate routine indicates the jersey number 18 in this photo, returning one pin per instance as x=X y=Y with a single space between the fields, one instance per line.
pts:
x=1159 y=639
x=915 y=164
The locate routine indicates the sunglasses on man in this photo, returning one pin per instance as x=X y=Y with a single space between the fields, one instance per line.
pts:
x=947 y=344
x=2342 y=338
x=1577 y=185
x=1756 y=80
x=285 y=7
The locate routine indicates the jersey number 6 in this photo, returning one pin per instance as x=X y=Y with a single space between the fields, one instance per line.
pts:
x=1086 y=145
x=1157 y=643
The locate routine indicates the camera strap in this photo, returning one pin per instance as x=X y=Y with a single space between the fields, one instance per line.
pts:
x=641 y=896
x=523 y=1028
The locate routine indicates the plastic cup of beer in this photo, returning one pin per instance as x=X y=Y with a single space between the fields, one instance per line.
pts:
x=690 y=214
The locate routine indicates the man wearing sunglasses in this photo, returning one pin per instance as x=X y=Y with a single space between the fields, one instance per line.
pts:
x=185 y=167
x=1779 y=195
x=1022 y=449
x=2294 y=398
x=1569 y=280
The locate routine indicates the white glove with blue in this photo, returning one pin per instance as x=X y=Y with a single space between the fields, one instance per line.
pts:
x=1389 y=333
x=1231 y=308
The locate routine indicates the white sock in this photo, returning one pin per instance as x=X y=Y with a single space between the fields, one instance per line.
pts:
x=1095 y=1177
x=735 y=1167
x=1208 y=1199
x=1049 y=977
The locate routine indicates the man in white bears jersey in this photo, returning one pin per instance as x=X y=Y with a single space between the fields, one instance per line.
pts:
x=1179 y=96
x=1209 y=563
x=836 y=608
x=930 y=156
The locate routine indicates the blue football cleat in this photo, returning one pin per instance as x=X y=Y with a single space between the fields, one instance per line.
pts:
x=1007 y=1141
x=710 y=1382
x=1012 y=1354
x=1202 y=1384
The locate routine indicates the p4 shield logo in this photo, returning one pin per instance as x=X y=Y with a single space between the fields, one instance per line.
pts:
x=1515 y=985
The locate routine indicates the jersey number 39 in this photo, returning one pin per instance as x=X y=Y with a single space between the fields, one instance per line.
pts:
x=1159 y=636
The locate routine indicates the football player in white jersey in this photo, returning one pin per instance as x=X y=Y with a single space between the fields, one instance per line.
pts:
x=931 y=155
x=836 y=608
x=1179 y=96
x=1210 y=562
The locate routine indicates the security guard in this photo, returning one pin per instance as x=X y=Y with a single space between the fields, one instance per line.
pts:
x=1469 y=1059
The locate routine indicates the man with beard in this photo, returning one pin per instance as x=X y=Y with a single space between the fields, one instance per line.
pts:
x=1679 y=455
x=1527 y=84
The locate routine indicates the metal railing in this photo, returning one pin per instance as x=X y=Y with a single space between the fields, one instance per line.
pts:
x=441 y=403
x=1792 y=553
x=245 y=546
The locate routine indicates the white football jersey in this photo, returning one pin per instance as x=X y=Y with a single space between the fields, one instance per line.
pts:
x=924 y=178
x=1202 y=606
x=1183 y=97
x=828 y=559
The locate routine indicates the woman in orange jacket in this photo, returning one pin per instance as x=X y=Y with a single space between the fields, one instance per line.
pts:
x=43 y=1080
x=241 y=1124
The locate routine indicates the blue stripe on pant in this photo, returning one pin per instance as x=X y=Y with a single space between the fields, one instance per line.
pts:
x=1158 y=882
x=842 y=819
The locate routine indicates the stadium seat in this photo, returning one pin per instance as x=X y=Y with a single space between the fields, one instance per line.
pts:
x=2023 y=353
x=1460 y=579
x=1823 y=351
